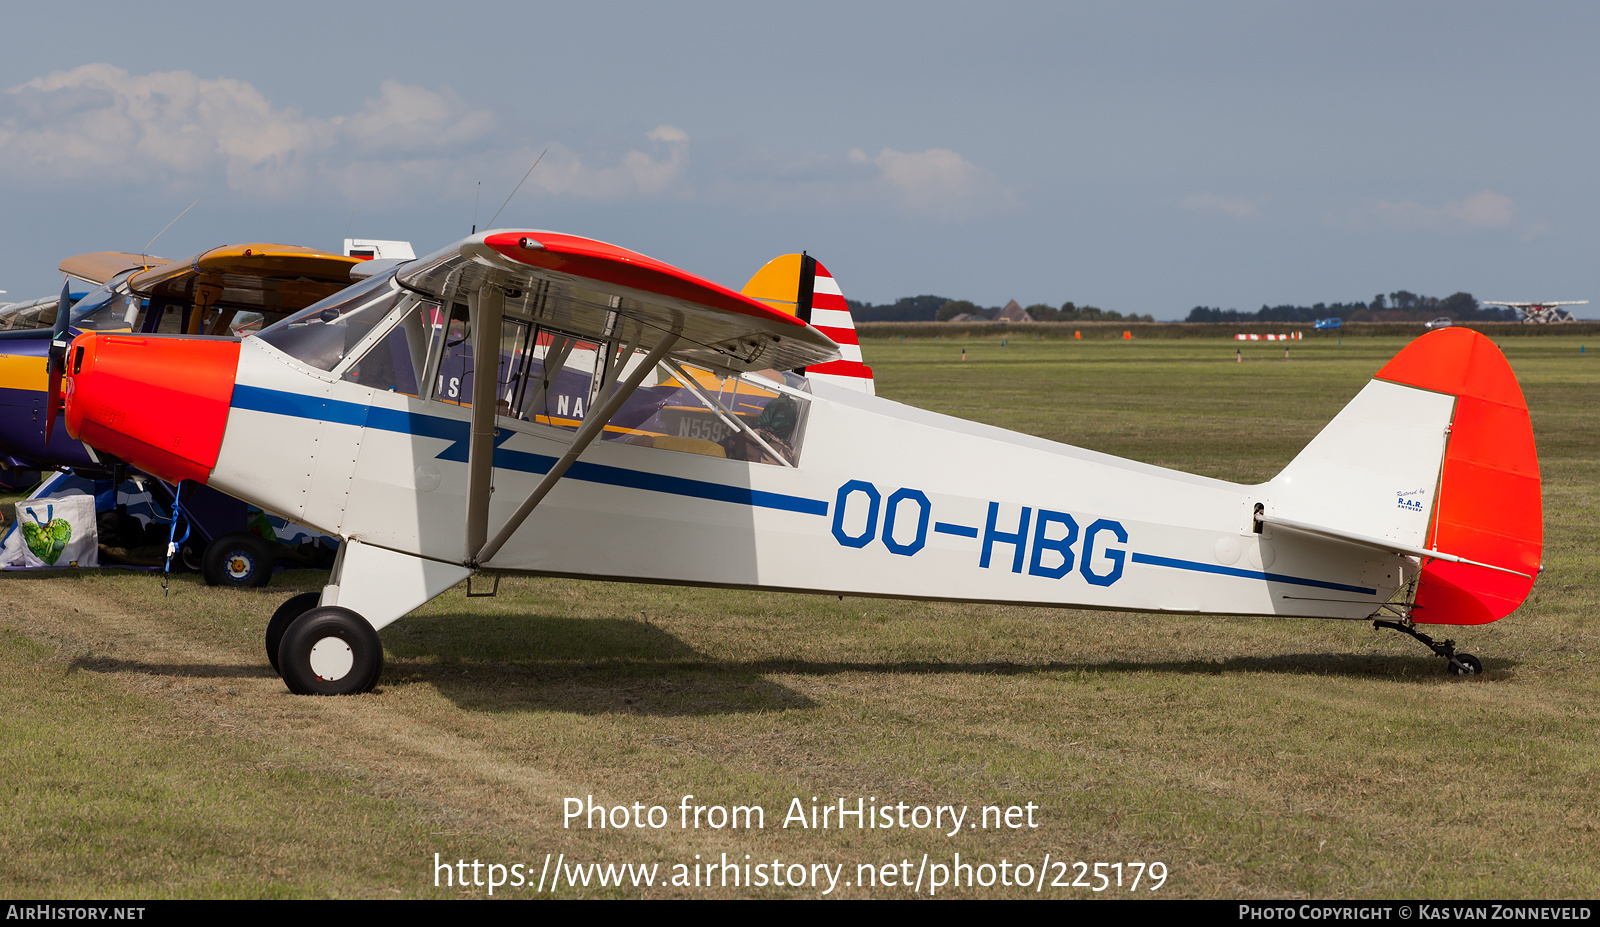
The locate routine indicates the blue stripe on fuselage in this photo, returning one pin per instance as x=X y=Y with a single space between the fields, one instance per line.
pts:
x=297 y=405
x=1150 y=560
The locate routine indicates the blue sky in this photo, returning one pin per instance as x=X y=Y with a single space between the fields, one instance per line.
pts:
x=1143 y=157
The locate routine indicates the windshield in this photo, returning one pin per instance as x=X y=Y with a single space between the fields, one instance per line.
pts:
x=323 y=333
x=104 y=308
x=110 y=307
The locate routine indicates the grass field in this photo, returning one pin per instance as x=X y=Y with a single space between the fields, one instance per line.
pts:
x=147 y=750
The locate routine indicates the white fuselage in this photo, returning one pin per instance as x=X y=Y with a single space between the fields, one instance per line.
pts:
x=888 y=500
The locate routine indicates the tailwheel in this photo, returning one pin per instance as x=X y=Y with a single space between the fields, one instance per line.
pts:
x=285 y=616
x=329 y=650
x=1459 y=664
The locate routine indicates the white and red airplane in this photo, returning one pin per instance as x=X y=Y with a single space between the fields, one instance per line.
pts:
x=1542 y=313
x=644 y=424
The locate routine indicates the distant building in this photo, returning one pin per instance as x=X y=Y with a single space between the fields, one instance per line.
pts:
x=1014 y=313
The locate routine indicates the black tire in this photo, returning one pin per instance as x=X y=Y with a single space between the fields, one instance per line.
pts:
x=285 y=616
x=1469 y=665
x=238 y=559
x=335 y=641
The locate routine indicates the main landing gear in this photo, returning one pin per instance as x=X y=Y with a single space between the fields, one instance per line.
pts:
x=326 y=643
x=323 y=650
x=1461 y=664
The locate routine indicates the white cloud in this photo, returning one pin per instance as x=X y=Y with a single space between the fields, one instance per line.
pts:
x=1482 y=210
x=1538 y=229
x=937 y=182
x=1234 y=207
x=637 y=173
x=667 y=134
x=402 y=118
x=98 y=124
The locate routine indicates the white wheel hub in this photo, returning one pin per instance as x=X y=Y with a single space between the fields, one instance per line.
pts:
x=331 y=659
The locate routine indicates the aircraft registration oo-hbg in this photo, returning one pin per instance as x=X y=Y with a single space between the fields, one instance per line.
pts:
x=644 y=424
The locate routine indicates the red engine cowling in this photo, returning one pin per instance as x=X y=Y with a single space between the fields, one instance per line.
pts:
x=159 y=402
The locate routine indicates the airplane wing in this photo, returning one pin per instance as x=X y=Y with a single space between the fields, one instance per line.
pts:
x=587 y=288
x=99 y=266
x=265 y=277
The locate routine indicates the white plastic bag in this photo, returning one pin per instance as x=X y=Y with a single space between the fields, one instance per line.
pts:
x=53 y=532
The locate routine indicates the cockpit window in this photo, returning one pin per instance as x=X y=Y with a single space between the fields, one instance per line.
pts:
x=322 y=334
x=107 y=308
x=396 y=361
x=547 y=377
x=110 y=307
x=740 y=418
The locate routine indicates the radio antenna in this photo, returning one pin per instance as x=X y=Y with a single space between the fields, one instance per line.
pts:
x=143 y=253
x=475 y=200
x=519 y=185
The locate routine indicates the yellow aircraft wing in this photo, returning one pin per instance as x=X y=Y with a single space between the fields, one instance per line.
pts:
x=262 y=277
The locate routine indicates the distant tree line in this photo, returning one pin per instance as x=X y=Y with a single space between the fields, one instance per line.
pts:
x=1071 y=313
x=1400 y=306
x=941 y=309
x=905 y=309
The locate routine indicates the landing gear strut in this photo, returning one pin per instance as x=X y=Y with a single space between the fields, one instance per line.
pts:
x=1461 y=664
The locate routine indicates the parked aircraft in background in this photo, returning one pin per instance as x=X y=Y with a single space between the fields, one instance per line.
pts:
x=640 y=423
x=231 y=290
x=1543 y=313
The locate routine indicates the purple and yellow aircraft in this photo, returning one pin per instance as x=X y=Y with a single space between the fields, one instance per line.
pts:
x=233 y=290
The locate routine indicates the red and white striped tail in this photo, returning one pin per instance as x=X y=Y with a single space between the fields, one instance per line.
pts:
x=799 y=285
x=831 y=316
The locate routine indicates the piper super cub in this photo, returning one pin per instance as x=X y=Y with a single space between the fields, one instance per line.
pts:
x=644 y=424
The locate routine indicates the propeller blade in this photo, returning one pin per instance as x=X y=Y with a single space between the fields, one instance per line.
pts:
x=58 y=358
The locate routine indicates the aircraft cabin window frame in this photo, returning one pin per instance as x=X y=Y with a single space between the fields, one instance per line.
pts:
x=375 y=336
x=100 y=299
x=681 y=407
x=300 y=336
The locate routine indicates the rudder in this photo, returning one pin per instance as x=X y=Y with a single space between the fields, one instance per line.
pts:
x=800 y=286
x=1488 y=507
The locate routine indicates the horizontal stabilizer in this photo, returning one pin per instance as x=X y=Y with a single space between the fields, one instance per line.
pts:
x=1378 y=543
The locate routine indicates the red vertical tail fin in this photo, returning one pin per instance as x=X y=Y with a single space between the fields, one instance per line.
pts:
x=1488 y=507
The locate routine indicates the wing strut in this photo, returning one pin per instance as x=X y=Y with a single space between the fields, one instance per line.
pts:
x=593 y=426
x=486 y=312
